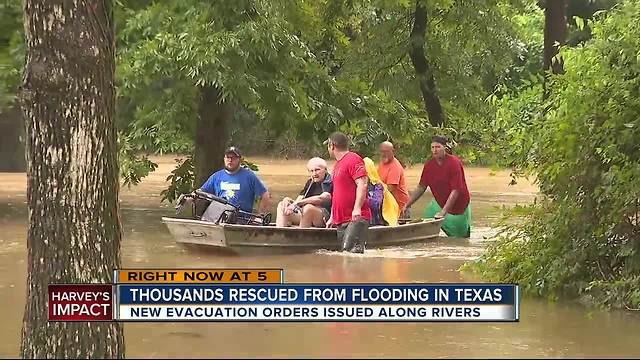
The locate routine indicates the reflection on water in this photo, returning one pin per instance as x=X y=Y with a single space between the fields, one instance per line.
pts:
x=550 y=330
x=442 y=248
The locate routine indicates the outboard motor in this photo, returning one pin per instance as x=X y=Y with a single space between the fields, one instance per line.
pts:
x=219 y=210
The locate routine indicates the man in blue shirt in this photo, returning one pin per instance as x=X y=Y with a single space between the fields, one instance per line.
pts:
x=238 y=185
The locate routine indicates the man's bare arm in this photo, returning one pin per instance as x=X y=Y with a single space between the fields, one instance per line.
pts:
x=265 y=202
x=417 y=193
x=317 y=200
x=361 y=193
x=290 y=201
x=450 y=201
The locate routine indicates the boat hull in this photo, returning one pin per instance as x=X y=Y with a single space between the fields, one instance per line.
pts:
x=198 y=232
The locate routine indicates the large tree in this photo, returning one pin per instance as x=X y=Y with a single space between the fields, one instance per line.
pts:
x=555 y=35
x=74 y=230
x=191 y=71
x=403 y=49
x=214 y=116
x=209 y=60
x=424 y=72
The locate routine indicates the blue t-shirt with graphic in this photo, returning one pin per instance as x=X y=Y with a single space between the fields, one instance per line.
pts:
x=240 y=189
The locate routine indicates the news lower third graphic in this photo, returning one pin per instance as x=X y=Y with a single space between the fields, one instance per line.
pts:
x=220 y=295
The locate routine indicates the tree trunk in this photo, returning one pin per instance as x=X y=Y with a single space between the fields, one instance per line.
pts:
x=74 y=235
x=555 y=31
x=422 y=67
x=212 y=135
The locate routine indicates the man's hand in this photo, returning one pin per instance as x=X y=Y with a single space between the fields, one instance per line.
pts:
x=329 y=223
x=356 y=214
x=289 y=209
x=451 y=200
x=405 y=212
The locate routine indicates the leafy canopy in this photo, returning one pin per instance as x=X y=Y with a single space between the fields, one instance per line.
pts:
x=583 y=239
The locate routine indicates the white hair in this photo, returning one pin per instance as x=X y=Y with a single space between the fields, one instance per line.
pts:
x=317 y=161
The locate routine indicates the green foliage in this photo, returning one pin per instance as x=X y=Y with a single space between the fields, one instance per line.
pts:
x=181 y=180
x=517 y=113
x=11 y=50
x=249 y=165
x=584 y=239
x=273 y=68
x=133 y=167
x=247 y=49
x=162 y=123
x=468 y=61
x=579 y=16
x=244 y=48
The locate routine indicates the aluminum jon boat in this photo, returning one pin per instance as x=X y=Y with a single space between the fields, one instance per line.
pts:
x=234 y=236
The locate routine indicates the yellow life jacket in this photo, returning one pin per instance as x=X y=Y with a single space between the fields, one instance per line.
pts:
x=390 y=207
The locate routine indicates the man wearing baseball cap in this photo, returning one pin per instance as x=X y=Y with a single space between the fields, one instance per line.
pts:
x=444 y=174
x=238 y=185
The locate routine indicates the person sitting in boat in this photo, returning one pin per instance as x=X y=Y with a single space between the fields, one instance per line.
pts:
x=384 y=207
x=313 y=206
x=238 y=185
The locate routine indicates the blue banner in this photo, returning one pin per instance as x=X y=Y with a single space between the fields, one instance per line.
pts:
x=319 y=294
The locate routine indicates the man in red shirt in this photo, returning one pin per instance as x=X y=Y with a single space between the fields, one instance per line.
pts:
x=350 y=211
x=444 y=174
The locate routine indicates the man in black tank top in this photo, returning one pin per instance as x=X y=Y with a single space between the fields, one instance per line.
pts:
x=312 y=207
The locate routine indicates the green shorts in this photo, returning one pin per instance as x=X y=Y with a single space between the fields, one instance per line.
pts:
x=453 y=225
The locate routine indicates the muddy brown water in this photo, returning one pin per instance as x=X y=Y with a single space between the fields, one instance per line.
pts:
x=545 y=329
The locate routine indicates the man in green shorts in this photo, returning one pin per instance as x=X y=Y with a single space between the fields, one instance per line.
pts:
x=444 y=174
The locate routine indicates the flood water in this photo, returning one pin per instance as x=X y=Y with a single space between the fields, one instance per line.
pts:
x=545 y=329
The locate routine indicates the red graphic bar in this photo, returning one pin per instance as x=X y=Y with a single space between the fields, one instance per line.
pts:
x=81 y=302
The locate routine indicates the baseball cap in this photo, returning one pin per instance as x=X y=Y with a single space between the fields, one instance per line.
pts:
x=233 y=150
